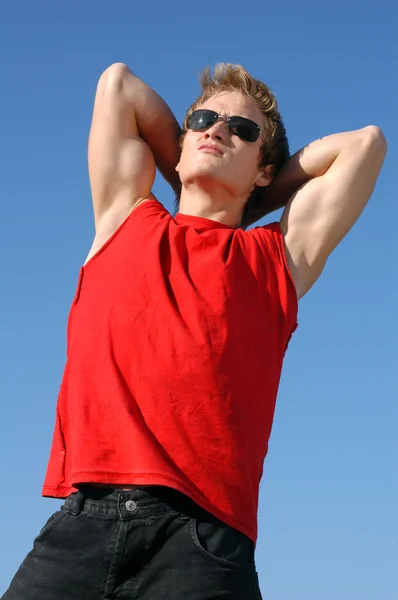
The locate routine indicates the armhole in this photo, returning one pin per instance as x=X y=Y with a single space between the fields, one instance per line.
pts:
x=137 y=209
x=281 y=247
x=276 y=245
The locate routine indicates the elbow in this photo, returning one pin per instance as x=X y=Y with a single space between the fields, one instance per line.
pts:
x=113 y=77
x=375 y=139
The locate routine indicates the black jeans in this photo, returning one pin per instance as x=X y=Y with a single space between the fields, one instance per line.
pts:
x=147 y=544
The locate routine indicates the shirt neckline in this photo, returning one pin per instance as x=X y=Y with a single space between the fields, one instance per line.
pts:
x=202 y=222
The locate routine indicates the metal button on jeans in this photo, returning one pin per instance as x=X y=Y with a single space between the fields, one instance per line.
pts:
x=131 y=505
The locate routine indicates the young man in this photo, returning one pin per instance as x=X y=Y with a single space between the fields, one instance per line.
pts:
x=176 y=338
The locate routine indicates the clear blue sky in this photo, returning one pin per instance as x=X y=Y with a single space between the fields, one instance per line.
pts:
x=328 y=504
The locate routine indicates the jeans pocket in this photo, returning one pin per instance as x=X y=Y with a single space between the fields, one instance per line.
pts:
x=223 y=544
x=55 y=517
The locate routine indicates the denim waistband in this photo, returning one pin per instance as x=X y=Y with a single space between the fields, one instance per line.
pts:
x=112 y=503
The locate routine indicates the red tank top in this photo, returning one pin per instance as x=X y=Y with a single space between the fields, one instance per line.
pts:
x=176 y=338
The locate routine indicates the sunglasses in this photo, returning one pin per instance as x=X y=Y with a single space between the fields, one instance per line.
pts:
x=245 y=129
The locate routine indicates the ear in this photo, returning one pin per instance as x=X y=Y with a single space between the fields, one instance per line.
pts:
x=265 y=176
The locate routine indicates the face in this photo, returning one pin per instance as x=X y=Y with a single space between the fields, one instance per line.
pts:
x=215 y=157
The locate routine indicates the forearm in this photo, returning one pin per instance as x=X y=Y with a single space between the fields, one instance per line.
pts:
x=156 y=124
x=312 y=161
x=316 y=158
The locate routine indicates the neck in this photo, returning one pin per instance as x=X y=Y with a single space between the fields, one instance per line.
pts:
x=215 y=204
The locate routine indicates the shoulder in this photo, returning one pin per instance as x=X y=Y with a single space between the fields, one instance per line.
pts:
x=145 y=215
x=270 y=239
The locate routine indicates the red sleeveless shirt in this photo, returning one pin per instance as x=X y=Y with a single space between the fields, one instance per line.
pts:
x=176 y=338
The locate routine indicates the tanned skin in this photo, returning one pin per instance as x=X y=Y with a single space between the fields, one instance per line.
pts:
x=324 y=187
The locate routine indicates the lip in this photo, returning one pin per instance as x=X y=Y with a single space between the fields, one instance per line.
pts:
x=211 y=149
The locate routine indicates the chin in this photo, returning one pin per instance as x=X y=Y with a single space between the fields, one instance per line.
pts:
x=210 y=165
x=207 y=176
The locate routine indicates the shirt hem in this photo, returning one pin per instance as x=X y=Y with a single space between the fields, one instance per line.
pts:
x=63 y=491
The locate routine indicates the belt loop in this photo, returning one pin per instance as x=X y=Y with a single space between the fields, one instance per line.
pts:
x=77 y=504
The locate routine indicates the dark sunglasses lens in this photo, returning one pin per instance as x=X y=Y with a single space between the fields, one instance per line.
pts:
x=244 y=128
x=202 y=119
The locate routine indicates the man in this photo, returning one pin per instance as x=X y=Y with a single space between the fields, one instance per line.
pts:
x=177 y=334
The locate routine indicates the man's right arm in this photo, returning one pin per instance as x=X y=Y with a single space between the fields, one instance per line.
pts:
x=132 y=130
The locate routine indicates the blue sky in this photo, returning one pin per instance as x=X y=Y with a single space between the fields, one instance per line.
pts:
x=328 y=504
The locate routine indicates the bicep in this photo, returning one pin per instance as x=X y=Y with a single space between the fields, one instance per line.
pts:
x=121 y=165
x=322 y=212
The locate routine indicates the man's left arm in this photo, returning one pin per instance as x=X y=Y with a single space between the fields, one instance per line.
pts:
x=336 y=176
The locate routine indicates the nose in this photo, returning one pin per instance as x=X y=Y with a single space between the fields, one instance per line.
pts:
x=216 y=132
